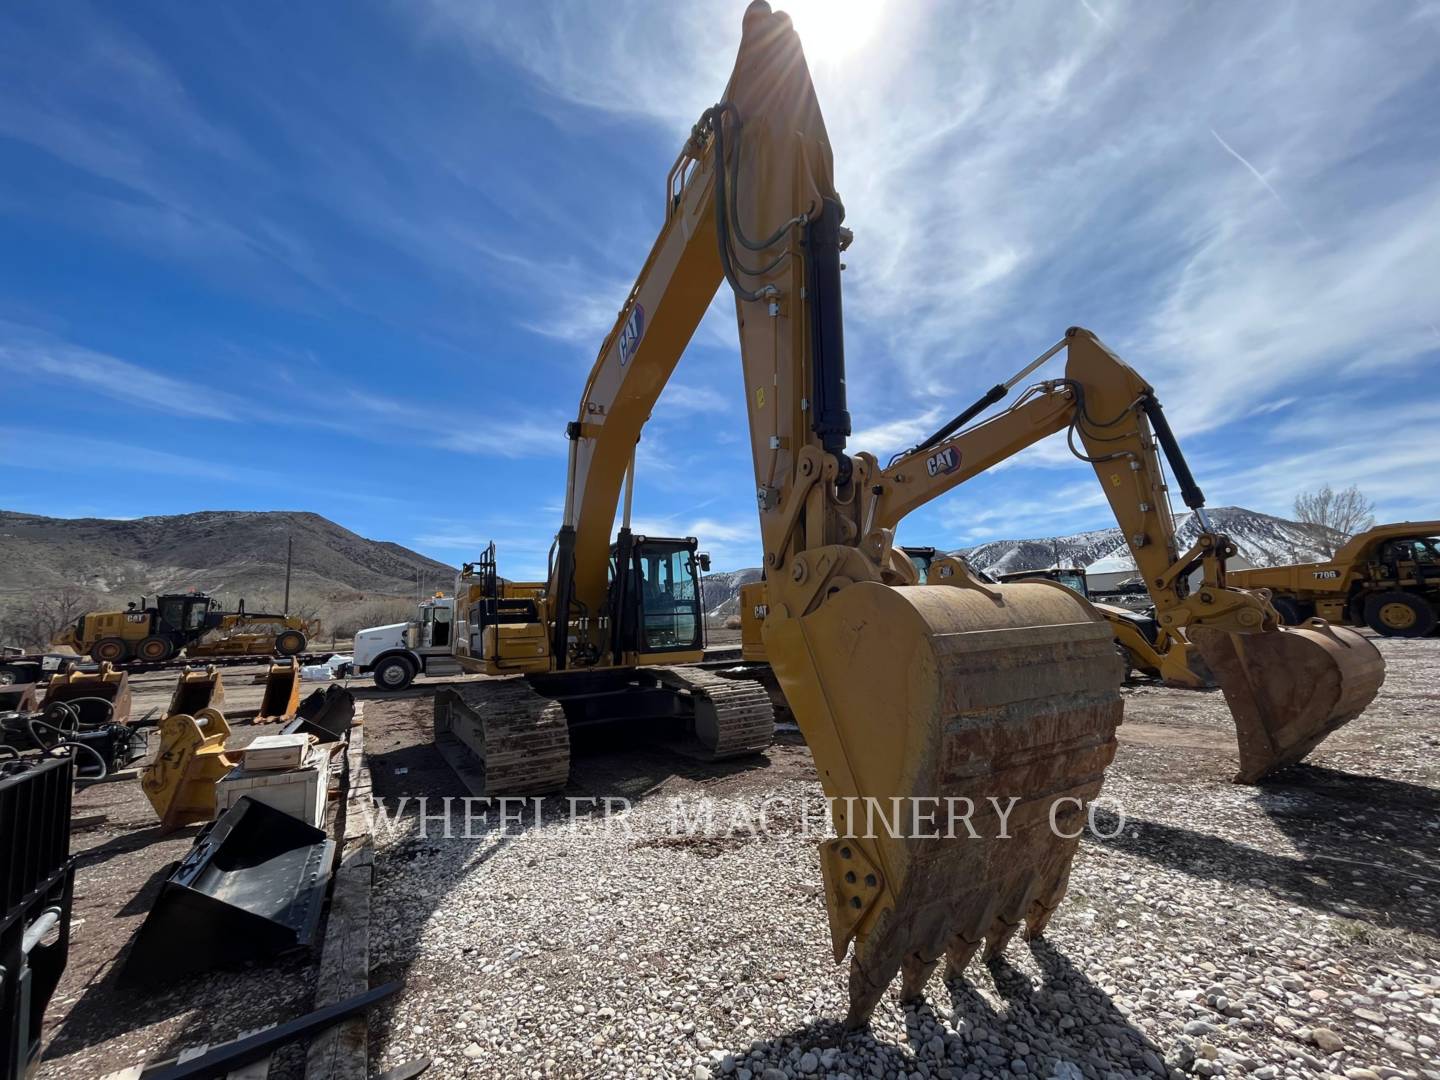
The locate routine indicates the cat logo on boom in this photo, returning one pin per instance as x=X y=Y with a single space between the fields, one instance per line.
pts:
x=946 y=461
x=631 y=334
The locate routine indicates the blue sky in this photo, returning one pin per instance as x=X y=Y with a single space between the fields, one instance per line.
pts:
x=358 y=258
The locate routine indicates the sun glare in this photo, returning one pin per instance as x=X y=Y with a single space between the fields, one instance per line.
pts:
x=832 y=30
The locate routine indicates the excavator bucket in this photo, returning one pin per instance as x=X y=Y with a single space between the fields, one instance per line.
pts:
x=189 y=762
x=959 y=734
x=1289 y=688
x=196 y=689
x=327 y=714
x=90 y=692
x=250 y=889
x=282 y=692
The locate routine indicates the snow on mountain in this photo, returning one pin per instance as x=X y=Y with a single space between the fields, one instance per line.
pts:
x=721 y=590
x=1263 y=539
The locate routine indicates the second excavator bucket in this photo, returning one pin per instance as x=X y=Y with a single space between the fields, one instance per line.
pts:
x=1289 y=688
x=18 y=697
x=196 y=689
x=90 y=691
x=983 y=719
x=250 y=889
x=282 y=692
x=327 y=714
x=190 y=760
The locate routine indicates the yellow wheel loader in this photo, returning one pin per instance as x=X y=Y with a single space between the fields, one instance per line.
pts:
x=1386 y=578
x=176 y=622
x=942 y=696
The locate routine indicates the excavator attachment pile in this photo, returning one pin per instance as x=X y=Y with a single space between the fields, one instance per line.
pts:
x=1290 y=687
x=923 y=701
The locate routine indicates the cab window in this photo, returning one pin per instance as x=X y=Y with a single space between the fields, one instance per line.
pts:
x=667 y=599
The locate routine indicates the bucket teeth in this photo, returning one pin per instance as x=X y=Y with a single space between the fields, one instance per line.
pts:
x=998 y=710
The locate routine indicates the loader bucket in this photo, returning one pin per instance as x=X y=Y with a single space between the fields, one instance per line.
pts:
x=282 y=692
x=250 y=889
x=196 y=689
x=189 y=762
x=87 y=689
x=1289 y=688
x=327 y=714
x=947 y=698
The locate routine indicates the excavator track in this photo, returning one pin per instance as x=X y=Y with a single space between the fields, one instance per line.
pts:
x=503 y=738
x=733 y=717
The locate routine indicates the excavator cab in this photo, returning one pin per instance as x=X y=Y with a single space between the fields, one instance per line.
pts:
x=655 y=595
x=920 y=558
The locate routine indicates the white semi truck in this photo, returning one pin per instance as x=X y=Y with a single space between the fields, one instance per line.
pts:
x=396 y=653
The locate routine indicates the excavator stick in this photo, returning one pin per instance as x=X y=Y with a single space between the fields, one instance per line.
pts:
x=958 y=734
x=1289 y=688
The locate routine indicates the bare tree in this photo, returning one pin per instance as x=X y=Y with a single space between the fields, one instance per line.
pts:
x=1343 y=513
x=33 y=621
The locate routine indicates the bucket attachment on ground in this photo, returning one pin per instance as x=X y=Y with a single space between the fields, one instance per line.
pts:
x=927 y=703
x=196 y=689
x=250 y=889
x=19 y=697
x=282 y=692
x=87 y=690
x=1289 y=688
x=326 y=714
x=180 y=782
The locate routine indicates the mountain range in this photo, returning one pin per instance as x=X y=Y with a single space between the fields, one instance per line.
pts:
x=237 y=553
x=232 y=553
x=1263 y=540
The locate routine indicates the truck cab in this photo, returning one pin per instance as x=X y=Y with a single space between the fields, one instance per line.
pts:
x=394 y=654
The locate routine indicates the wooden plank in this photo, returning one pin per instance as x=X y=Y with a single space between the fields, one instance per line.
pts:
x=342 y=1052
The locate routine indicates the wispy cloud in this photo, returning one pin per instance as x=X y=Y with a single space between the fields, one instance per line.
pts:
x=32 y=354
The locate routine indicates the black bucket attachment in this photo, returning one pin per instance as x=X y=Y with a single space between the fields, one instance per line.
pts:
x=90 y=692
x=327 y=714
x=35 y=902
x=249 y=890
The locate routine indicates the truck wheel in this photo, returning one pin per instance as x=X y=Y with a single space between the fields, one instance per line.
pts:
x=290 y=643
x=1399 y=614
x=153 y=649
x=109 y=650
x=394 y=673
x=1287 y=609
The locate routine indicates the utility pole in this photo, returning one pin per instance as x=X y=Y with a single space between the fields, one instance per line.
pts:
x=289 y=561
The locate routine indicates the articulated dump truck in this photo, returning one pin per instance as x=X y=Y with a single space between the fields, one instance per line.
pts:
x=951 y=693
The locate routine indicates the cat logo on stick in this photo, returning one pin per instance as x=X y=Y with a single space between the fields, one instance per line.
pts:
x=946 y=461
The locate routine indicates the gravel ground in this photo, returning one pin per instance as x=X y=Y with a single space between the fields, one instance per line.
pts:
x=1289 y=930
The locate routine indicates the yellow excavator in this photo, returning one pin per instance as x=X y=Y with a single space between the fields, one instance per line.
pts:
x=983 y=697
